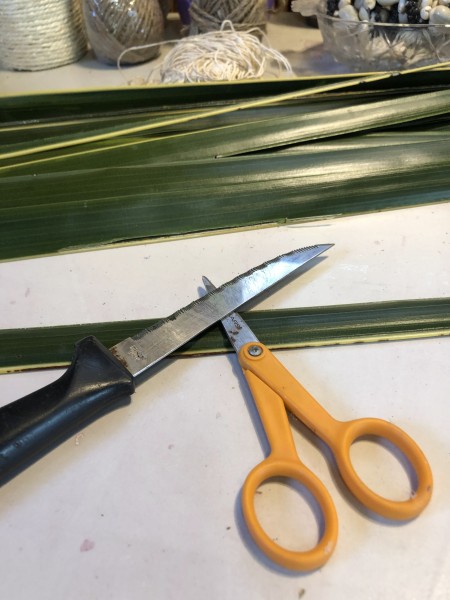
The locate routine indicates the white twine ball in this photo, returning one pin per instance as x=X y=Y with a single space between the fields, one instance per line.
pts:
x=224 y=55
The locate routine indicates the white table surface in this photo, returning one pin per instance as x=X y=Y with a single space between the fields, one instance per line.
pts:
x=144 y=504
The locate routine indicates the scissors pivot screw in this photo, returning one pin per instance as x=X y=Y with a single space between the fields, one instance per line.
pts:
x=255 y=350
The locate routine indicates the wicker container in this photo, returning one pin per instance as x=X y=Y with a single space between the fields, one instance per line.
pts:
x=40 y=34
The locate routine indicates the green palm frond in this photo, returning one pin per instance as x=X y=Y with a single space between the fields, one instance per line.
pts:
x=289 y=328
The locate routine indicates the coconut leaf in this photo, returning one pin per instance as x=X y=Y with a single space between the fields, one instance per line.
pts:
x=134 y=150
x=256 y=133
x=119 y=129
x=319 y=326
x=15 y=138
x=134 y=188
x=57 y=105
x=62 y=212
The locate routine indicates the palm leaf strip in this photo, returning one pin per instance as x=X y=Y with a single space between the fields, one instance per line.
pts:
x=261 y=133
x=91 y=104
x=40 y=347
x=64 y=212
x=118 y=130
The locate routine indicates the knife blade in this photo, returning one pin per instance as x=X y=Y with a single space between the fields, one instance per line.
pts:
x=100 y=380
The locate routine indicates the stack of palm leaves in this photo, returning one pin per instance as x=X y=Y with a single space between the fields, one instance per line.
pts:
x=99 y=169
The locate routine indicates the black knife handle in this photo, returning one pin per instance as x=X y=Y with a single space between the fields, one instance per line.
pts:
x=94 y=384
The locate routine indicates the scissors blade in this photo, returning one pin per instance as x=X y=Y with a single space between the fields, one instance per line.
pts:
x=148 y=347
x=237 y=330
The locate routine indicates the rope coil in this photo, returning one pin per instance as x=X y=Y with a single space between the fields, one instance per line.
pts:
x=40 y=34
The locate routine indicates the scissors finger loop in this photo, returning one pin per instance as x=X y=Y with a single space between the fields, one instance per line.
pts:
x=293 y=469
x=391 y=509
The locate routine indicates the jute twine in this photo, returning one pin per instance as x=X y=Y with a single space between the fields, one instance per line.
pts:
x=208 y=15
x=114 y=25
x=40 y=34
x=223 y=55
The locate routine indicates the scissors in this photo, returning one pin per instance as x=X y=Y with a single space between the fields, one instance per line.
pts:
x=273 y=388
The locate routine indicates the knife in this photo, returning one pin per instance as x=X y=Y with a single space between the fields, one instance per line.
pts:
x=100 y=380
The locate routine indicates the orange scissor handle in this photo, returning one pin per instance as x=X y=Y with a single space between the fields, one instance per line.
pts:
x=296 y=560
x=349 y=432
x=283 y=461
x=341 y=435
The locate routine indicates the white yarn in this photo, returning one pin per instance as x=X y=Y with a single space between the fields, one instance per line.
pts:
x=224 y=55
x=40 y=34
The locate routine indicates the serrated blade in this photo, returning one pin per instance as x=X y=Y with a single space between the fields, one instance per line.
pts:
x=237 y=330
x=148 y=347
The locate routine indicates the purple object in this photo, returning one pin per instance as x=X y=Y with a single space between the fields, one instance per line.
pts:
x=183 y=9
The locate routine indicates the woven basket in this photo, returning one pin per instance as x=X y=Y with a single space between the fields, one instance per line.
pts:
x=40 y=34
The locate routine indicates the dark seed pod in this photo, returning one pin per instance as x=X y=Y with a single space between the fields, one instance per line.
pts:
x=332 y=7
x=412 y=10
x=393 y=14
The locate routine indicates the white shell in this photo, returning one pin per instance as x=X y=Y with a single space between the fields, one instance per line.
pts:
x=348 y=13
x=363 y=14
x=440 y=15
x=387 y=2
x=369 y=4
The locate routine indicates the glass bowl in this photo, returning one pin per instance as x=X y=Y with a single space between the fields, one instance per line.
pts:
x=367 y=46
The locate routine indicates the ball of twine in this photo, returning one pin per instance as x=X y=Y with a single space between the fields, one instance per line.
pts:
x=114 y=25
x=223 y=55
x=208 y=15
x=40 y=34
